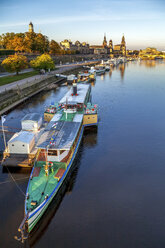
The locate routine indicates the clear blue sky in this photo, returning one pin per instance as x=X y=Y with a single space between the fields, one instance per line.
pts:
x=141 y=21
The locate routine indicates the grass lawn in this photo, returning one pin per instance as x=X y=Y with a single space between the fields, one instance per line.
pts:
x=13 y=78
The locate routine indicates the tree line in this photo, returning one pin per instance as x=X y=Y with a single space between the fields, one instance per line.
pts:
x=30 y=42
x=17 y=62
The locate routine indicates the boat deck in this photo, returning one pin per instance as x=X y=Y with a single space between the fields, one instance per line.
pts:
x=43 y=185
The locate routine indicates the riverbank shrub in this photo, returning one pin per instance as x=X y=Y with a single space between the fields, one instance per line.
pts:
x=43 y=62
x=15 y=63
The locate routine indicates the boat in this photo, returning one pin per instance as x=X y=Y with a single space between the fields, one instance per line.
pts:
x=84 y=77
x=100 y=70
x=50 y=111
x=71 y=79
x=57 y=149
x=20 y=150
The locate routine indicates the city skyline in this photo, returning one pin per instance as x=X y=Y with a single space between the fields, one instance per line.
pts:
x=141 y=22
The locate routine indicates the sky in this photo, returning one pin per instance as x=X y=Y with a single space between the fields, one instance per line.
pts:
x=141 y=21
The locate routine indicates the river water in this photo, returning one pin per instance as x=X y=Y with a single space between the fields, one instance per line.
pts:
x=115 y=196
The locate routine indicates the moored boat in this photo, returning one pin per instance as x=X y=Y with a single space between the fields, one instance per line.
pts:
x=57 y=148
x=100 y=70
x=84 y=77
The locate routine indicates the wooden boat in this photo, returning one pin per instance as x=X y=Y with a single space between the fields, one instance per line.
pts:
x=57 y=149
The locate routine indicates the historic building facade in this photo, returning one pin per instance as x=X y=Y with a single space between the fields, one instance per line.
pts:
x=82 y=48
x=114 y=51
x=119 y=49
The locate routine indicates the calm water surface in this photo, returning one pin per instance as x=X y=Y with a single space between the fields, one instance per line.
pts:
x=116 y=194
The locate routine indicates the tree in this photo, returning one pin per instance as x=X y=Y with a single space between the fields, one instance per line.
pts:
x=18 y=44
x=6 y=38
x=42 y=62
x=15 y=63
x=55 y=47
x=41 y=43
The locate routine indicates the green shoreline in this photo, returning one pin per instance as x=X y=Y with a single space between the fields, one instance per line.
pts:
x=13 y=78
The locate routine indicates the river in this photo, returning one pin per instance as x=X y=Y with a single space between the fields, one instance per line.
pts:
x=116 y=194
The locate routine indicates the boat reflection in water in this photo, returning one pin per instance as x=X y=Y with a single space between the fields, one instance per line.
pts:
x=89 y=139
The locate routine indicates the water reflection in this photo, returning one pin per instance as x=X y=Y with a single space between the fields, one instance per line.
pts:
x=148 y=63
x=122 y=70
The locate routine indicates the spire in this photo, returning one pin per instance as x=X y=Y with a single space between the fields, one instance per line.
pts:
x=123 y=39
x=104 y=41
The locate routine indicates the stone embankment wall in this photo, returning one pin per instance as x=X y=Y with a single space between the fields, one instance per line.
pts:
x=20 y=93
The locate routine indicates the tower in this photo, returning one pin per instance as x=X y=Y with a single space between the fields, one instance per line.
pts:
x=123 y=46
x=31 y=29
x=110 y=46
x=104 y=41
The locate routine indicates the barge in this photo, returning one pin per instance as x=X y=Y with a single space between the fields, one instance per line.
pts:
x=57 y=149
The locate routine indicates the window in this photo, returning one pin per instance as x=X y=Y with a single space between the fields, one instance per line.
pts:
x=52 y=152
x=12 y=144
x=61 y=151
x=23 y=145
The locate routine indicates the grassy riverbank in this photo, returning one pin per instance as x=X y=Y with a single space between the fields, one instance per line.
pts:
x=13 y=78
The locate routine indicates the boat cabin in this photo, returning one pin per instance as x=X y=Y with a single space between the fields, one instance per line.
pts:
x=21 y=143
x=31 y=122
x=59 y=138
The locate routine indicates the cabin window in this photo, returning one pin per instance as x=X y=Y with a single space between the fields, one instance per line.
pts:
x=12 y=144
x=61 y=151
x=52 y=152
x=23 y=145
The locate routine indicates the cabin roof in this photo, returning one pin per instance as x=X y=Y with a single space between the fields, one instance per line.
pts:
x=31 y=117
x=23 y=136
x=60 y=135
x=82 y=90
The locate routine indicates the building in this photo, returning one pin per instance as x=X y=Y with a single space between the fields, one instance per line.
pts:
x=119 y=49
x=31 y=28
x=114 y=51
x=82 y=48
x=105 y=42
x=98 y=49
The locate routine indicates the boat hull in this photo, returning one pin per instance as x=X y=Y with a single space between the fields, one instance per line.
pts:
x=35 y=215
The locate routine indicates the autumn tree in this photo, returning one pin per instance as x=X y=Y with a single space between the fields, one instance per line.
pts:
x=41 y=43
x=43 y=62
x=15 y=63
x=55 y=47
x=6 y=38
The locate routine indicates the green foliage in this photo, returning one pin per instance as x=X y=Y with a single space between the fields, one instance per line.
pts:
x=15 y=63
x=42 y=62
x=55 y=47
x=10 y=79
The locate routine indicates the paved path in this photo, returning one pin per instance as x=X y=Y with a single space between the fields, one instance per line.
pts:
x=30 y=79
x=59 y=69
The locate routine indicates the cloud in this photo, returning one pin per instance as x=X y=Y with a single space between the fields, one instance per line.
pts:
x=89 y=18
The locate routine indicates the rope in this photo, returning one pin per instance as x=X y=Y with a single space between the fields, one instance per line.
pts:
x=9 y=181
x=15 y=182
